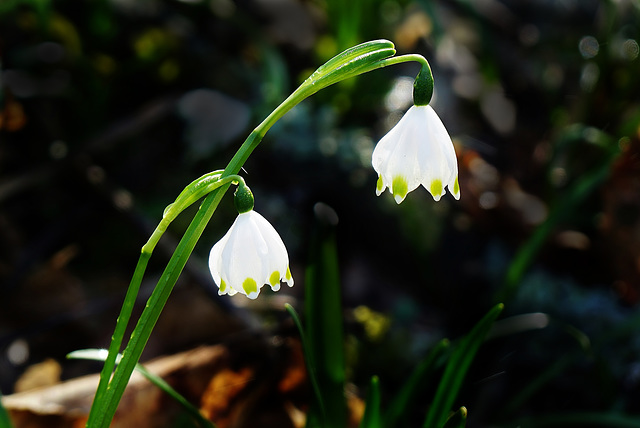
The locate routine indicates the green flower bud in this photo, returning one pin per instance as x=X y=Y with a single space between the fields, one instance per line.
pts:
x=243 y=199
x=423 y=86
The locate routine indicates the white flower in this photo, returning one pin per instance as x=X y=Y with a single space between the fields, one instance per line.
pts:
x=418 y=150
x=250 y=255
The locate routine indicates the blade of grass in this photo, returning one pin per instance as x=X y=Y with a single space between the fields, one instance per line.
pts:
x=308 y=356
x=121 y=325
x=372 y=417
x=457 y=419
x=101 y=354
x=456 y=370
x=410 y=391
x=324 y=322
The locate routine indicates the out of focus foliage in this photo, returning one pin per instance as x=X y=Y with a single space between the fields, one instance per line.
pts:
x=109 y=107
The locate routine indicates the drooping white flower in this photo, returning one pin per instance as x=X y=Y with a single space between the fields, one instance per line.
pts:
x=418 y=150
x=250 y=255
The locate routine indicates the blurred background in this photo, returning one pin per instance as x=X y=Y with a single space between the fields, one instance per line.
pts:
x=108 y=108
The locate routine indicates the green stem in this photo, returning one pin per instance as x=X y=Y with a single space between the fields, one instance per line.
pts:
x=118 y=334
x=192 y=193
x=152 y=310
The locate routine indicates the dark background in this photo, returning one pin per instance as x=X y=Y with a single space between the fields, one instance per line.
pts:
x=109 y=108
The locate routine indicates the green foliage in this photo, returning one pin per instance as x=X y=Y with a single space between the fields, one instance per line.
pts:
x=456 y=370
x=324 y=329
x=413 y=388
x=457 y=419
x=309 y=359
x=372 y=417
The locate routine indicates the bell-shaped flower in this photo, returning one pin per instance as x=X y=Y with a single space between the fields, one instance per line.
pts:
x=250 y=255
x=418 y=150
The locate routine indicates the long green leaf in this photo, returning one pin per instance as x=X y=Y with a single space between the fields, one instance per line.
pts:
x=309 y=362
x=457 y=368
x=372 y=417
x=409 y=393
x=103 y=411
x=324 y=326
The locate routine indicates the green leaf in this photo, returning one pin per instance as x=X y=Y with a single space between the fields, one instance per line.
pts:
x=350 y=63
x=104 y=406
x=353 y=54
x=457 y=368
x=372 y=417
x=324 y=329
x=409 y=394
x=101 y=355
x=457 y=419
x=309 y=363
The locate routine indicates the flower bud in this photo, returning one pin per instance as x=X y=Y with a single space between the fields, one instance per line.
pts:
x=243 y=199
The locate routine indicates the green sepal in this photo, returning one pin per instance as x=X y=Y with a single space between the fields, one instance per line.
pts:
x=423 y=86
x=243 y=198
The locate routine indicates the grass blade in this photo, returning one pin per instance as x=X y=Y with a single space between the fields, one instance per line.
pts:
x=456 y=370
x=323 y=304
x=372 y=417
x=458 y=419
x=410 y=391
x=311 y=368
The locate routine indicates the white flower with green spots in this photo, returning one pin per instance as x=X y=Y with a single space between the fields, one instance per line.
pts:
x=418 y=150
x=250 y=255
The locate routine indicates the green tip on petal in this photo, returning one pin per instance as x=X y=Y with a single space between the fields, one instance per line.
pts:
x=399 y=188
x=436 y=189
x=456 y=187
x=223 y=287
x=250 y=287
x=379 y=185
x=274 y=279
x=288 y=274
